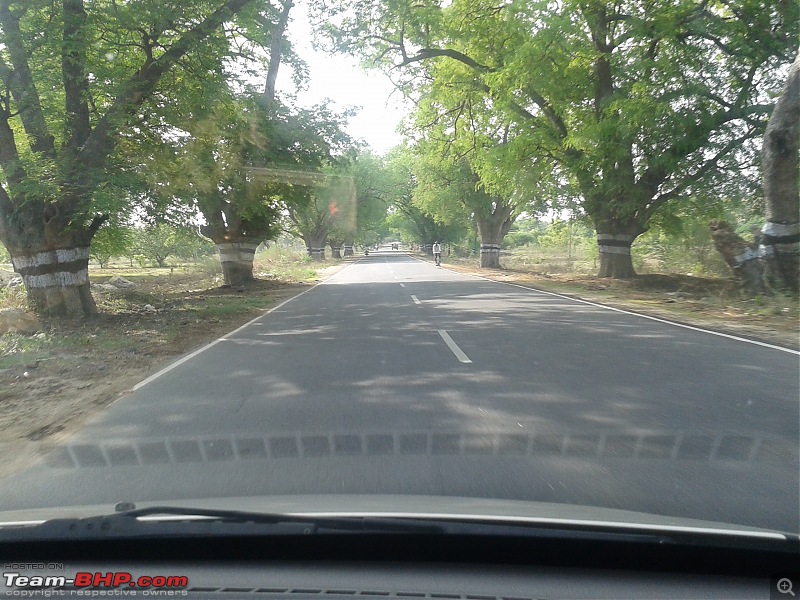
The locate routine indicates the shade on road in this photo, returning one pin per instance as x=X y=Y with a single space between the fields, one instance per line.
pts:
x=395 y=377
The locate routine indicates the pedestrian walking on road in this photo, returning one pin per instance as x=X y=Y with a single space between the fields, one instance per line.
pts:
x=437 y=253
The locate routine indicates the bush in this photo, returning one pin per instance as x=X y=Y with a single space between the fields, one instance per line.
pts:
x=515 y=239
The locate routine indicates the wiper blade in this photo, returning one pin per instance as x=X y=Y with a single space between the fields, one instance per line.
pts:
x=355 y=524
x=177 y=521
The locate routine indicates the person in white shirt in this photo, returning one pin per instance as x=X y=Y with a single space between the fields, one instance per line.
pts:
x=437 y=253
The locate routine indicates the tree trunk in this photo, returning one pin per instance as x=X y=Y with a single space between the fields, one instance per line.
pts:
x=237 y=261
x=780 y=237
x=56 y=281
x=336 y=246
x=348 y=250
x=615 y=260
x=492 y=231
x=740 y=256
x=315 y=246
x=490 y=256
x=614 y=242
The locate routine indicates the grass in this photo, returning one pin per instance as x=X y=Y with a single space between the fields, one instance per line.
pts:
x=16 y=350
x=180 y=298
x=276 y=263
x=285 y=264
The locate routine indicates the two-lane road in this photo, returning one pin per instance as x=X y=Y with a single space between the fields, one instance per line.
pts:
x=395 y=377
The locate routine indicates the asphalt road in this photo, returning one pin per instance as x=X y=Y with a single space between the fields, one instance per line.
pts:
x=395 y=377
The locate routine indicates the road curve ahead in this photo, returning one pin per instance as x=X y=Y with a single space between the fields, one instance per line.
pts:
x=395 y=377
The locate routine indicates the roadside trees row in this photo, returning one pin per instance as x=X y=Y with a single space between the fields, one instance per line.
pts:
x=634 y=105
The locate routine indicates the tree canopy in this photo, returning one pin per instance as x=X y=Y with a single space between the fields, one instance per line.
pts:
x=636 y=104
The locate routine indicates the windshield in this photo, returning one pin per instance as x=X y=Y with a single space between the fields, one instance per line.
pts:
x=511 y=258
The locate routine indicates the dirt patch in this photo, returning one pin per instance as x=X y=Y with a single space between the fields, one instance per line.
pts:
x=708 y=302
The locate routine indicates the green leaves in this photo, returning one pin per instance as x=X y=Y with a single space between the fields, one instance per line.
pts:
x=634 y=103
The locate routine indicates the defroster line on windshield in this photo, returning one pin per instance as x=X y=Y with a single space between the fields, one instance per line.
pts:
x=727 y=447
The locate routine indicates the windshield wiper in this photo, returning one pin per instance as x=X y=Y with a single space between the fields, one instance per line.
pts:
x=186 y=521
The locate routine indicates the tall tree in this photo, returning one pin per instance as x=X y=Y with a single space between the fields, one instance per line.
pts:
x=780 y=236
x=323 y=212
x=73 y=76
x=451 y=191
x=372 y=189
x=638 y=103
x=237 y=205
x=426 y=226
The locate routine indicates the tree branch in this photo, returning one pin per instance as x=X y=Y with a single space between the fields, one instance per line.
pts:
x=681 y=186
x=20 y=81
x=9 y=157
x=73 y=72
x=141 y=85
x=275 y=52
x=427 y=53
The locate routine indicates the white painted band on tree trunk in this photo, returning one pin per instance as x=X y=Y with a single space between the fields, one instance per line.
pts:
x=613 y=249
x=623 y=237
x=48 y=257
x=238 y=246
x=59 y=279
x=748 y=254
x=780 y=229
x=236 y=258
x=780 y=248
x=237 y=252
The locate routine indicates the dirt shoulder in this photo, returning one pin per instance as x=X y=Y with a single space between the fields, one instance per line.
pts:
x=52 y=382
x=710 y=303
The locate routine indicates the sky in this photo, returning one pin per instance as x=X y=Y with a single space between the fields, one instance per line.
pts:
x=341 y=79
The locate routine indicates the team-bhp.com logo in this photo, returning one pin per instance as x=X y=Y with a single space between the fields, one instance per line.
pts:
x=85 y=579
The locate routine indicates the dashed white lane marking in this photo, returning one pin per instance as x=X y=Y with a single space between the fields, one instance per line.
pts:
x=402 y=285
x=454 y=347
x=415 y=299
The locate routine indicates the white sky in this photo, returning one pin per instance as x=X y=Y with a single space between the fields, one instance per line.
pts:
x=341 y=79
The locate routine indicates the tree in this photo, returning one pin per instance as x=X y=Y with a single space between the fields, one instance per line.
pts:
x=239 y=207
x=218 y=139
x=73 y=77
x=158 y=242
x=316 y=213
x=359 y=222
x=451 y=190
x=780 y=236
x=109 y=242
x=636 y=103
x=406 y=214
x=372 y=191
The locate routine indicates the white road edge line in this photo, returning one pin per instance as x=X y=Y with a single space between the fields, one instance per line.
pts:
x=415 y=299
x=627 y=312
x=190 y=356
x=454 y=347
